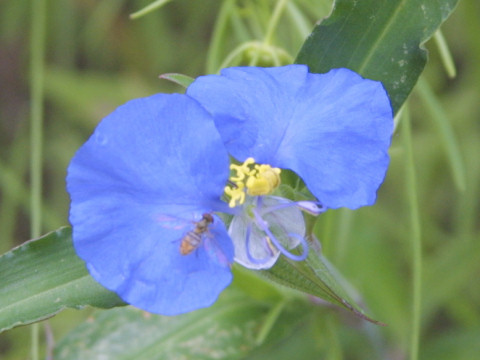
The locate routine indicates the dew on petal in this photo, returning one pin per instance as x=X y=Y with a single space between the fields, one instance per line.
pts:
x=100 y=138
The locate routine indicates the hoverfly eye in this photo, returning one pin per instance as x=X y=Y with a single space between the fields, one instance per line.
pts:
x=208 y=217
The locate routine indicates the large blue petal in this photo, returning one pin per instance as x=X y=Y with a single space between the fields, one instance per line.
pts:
x=149 y=171
x=332 y=129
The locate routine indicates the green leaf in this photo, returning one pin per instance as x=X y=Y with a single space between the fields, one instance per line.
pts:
x=380 y=39
x=44 y=276
x=180 y=79
x=227 y=330
x=316 y=276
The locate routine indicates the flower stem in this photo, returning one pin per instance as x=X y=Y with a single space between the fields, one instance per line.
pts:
x=277 y=12
x=416 y=235
x=37 y=49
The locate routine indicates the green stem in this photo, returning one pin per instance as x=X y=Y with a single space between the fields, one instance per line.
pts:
x=277 y=13
x=36 y=121
x=269 y=322
x=217 y=36
x=37 y=50
x=233 y=54
x=416 y=235
x=344 y=228
x=445 y=131
x=148 y=9
x=445 y=54
x=302 y=25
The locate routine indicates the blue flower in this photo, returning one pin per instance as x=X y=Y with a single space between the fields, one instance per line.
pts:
x=144 y=188
x=332 y=129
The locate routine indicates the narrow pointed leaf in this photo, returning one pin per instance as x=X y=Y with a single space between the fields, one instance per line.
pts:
x=148 y=9
x=380 y=39
x=43 y=276
x=316 y=276
x=180 y=79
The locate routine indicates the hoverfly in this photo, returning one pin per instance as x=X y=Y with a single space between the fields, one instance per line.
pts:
x=193 y=238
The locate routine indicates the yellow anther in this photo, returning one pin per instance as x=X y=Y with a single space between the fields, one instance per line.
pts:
x=256 y=187
x=242 y=170
x=254 y=179
x=271 y=174
x=264 y=181
x=236 y=194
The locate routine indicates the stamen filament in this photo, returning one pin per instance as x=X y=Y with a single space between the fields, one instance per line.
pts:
x=311 y=207
x=263 y=225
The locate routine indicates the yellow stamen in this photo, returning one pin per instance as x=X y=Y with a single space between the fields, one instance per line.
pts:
x=242 y=170
x=237 y=194
x=254 y=179
x=264 y=181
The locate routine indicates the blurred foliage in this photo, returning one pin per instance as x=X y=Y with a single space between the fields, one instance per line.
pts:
x=97 y=58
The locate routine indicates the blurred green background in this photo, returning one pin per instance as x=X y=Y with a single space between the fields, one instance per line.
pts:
x=97 y=58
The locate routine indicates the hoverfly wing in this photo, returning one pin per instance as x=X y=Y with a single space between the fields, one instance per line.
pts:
x=172 y=222
x=214 y=251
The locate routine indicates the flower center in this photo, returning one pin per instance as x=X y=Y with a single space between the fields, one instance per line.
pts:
x=251 y=179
